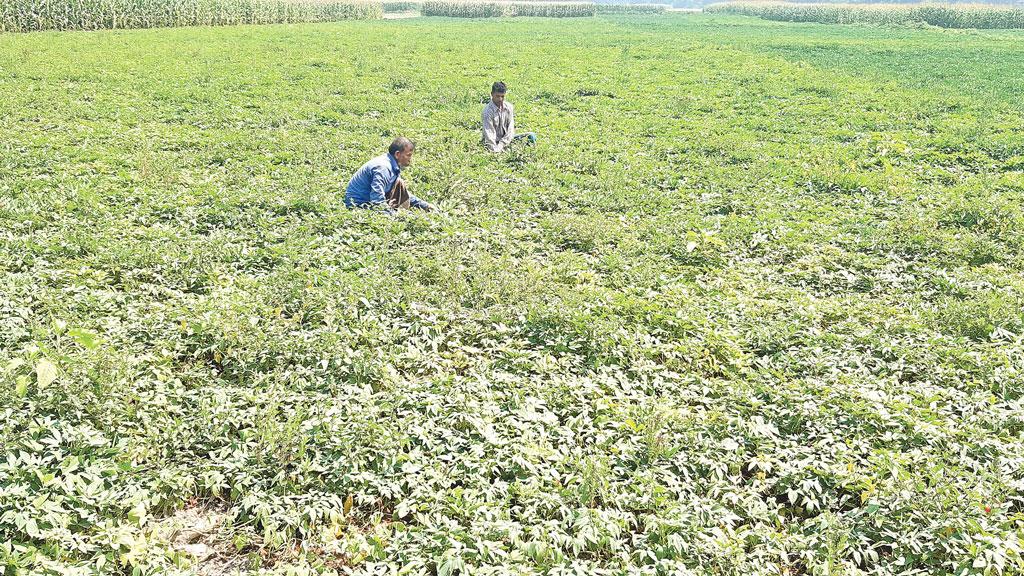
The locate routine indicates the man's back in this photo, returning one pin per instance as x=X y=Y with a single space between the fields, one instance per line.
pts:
x=377 y=184
x=371 y=182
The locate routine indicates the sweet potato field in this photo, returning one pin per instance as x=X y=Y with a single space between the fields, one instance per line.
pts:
x=751 y=305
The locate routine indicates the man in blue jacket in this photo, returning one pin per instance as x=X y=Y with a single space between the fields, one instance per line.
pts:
x=377 y=183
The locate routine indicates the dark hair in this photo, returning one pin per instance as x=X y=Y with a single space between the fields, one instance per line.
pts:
x=499 y=88
x=400 y=144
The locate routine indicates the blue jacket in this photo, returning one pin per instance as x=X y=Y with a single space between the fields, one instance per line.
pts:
x=370 y=184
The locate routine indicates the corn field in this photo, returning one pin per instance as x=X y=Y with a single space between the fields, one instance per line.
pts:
x=499 y=9
x=402 y=6
x=631 y=8
x=33 y=15
x=943 y=15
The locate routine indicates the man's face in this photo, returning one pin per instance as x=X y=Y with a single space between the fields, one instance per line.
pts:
x=498 y=98
x=404 y=157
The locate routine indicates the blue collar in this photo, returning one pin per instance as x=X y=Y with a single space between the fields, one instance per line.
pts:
x=394 y=163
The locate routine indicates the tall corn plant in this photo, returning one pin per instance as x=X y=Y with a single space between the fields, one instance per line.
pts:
x=32 y=15
x=463 y=9
x=456 y=9
x=603 y=8
x=401 y=5
x=552 y=10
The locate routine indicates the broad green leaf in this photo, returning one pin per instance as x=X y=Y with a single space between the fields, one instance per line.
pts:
x=85 y=339
x=21 y=386
x=46 y=373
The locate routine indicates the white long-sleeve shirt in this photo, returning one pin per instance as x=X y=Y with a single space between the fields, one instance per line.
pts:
x=499 y=126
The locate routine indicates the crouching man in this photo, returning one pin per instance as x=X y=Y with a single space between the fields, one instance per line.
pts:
x=499 y=124
x=377 y=184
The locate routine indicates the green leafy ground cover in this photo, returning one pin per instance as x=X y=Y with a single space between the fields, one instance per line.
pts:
x=752 y=305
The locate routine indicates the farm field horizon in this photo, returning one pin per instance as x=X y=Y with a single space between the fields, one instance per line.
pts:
x=752 y=304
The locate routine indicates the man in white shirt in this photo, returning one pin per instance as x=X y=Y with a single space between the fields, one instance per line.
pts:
x=499 y=125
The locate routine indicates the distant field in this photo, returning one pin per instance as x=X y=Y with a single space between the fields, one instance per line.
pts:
x=752 y=305
x=460 y=9
x=984 y=16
